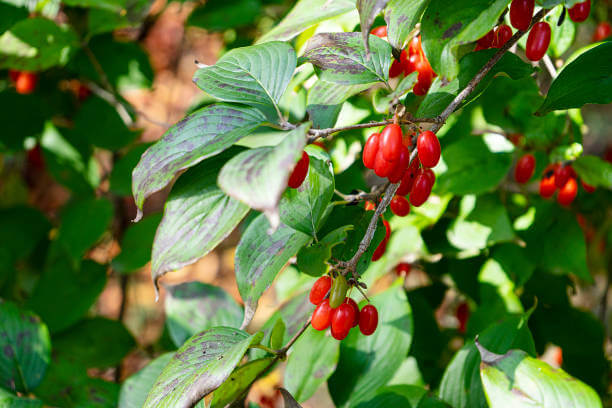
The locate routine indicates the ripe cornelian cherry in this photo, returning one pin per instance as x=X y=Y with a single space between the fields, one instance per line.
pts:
x=382 y=167
x=355 y=307
x=415 y=46
x=321 y=317
x=502 y=34
x=400 y=206
x=602 y=31
x=26 y=83
x=428 y=146
x=400 y=165
x=368 y=319
x=396 y=69
x=379 y=31
x=547 y=186
x=524 y=169
x=403 y=268
x=408 y=179
x=422 y=187
x=462 y=313
x=563 y=174
x=387 y=229
x=587 y=187
x=342 y=321
x=486 y=41
x=410 y=63
x=391 y=142
x=370 y=206
x=521 y=12
x=580 y=11
x=568 y=192
x=538 y=41
x=14 y=74
x=369 y=151
x=380 y=250
x=299 y=172
x=320 y=289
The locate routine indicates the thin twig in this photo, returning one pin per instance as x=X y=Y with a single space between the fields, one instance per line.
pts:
x=297 y=335
x=550 y=67
x=317 y=133
x=362 y=195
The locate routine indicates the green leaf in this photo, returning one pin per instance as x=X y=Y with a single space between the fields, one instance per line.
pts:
x=325 y=100
x=101 y=20
x=136 y=245
x=197 y=217
x=368 y=10
x=22 y=116
x=474 y=164
x=482 y=222
x=199 y=367
x=305 y=14
x=341 y=58
x=305 y=370
x=594 y=171
x=517 y=380
x=562 y=36
x=65 y=293
x=21 y=230
x=553 y=3
x=121 y=176
x=401 y=17
x=83 y=223
x=257 y=76
x=203 y=134
x=446 y=26
x=258 y=177
x=36 y=44
x=8 y=400
x=10 y=15
x=303 y=208
x=26 y=348
x=461 y=386
x=277 y=335
x=364 y=364
x=219 y=16
x=586 y=79
x=259 y=258
x=195 y=306
x=136 y=387
x=442 y=92
x=85 y=344
x=239 y=382
x=408 y=396
x=110 y=5
x=312 y=259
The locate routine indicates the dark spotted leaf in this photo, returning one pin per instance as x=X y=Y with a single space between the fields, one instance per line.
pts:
x=325 y=100
x=195 y=306
x=401 y=17
x=259 y=258
x=341 y=58
x=368 y=10
x=135 y=389
x=8 y=400
x=203 y=134
x=199 y=367
x=25 y=348
x=237 y=385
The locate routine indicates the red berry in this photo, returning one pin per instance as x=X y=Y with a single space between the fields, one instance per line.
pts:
x=563 y=174
x=580 y=11
x=400 y=206
x=428 y=146
x=430 y=175
x=26 y=83
x=355 y=307
x=342 y=321
x=299 y=172
x=547 y=186
x=486 y=41
x=538 y=41
x=502 y=34
x=321 y=317
x=524 y=168
x=35 y=157
x=379 y=31
x=400 y=165
x=382 y=167
x=415 y=46
x=602 y=31
x=421 y=188
x=380 y=250
x=320 y=289
x=368 y=319
x=370 y=206
x=14 y=74
x=587 y=187
x=462 y=313
x=387 y=229
x=369 y=151
x=391 y=142
x=403 y=268
x=568 y=192
x=521 y=12
x=410 y=63
x=84 y=92
x=396 y=69
x=408 y=179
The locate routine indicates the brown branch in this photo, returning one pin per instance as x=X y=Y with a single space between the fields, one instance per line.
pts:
x=373 y=195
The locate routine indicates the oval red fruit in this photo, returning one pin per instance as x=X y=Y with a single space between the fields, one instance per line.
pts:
x=486 y=41
x=379 y=31
x=369 y=151
x=521 y=12
x=410 y=64
x=408 y=179
x=342 y=321
x=580 y=11
x=391 y=141
x=387 y=229
x=524 y=169
x=396 y=69
x=14 y=74
x=547 y=186
x=321 y=317
x=462 y=313
x=382 y=167
x=587 y=187
x=568 y=192
x=368 y=319
x=380 y=250
x=400 y=206
x=538 y=41
x=355 y=307
x=320 y=289
x=563 y=174
x=421 y=188
x=415 y=48
x=602 y=31
x=502 y=34
x=428 y=146
x=26 y=82
x=299 y=172
x=400 y=166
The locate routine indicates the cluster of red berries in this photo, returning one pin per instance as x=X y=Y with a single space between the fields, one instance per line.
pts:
x=412 y=60
x=299 y=171
x=556 y=176
x=495 y=38
x=336 y=310
x=25 y=82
